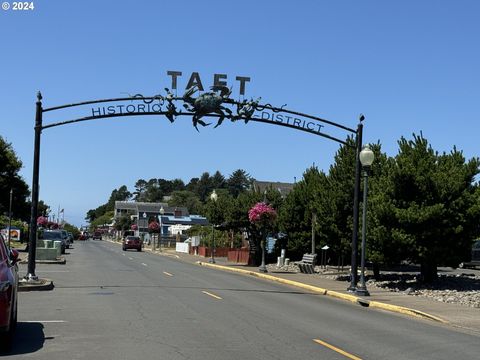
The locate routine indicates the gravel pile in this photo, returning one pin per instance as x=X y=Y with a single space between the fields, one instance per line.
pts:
x=285 y=268
x=463 y=289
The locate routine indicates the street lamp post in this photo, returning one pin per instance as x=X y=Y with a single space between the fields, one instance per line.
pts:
x=214 y=198
x=162 y=212
x=366 y=158
x=358 y=145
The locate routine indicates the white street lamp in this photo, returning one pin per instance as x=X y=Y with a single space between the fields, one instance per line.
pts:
x=366 y=159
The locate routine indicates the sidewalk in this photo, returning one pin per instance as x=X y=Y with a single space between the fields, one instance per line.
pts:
x=451 y=314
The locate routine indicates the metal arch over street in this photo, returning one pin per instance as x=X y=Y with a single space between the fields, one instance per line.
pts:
x=233 y=117
x=214 y=104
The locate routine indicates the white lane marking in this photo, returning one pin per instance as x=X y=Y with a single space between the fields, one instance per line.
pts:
x=167 y=273
x=130 y=258
x=43 y=321
x=144 y=264
x=124 y=255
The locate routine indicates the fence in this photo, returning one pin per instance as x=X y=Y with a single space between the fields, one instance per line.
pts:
x=239 y=256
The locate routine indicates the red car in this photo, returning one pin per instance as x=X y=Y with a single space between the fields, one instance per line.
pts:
x=8 y=294
x=131 y=242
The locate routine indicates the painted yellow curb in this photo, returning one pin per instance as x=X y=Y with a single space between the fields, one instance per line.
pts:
x=343 y=296
x=405 y=311
x=335 y=294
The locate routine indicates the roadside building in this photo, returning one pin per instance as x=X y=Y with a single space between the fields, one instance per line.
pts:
x=282 y=188
x=173 y=220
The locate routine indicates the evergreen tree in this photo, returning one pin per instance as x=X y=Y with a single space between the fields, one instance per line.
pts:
x=239 y=182
x=140 y=190
x=218 y=180
x=120 y=194
x=188 y=199
x=204 y=186
x=435 y=205
x=10 y=179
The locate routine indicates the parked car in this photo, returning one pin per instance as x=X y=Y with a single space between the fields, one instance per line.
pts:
x=66 y=238
x=55 y=235
x=97 y=235
x=70 y=235
x=8 y=294
x=131 y=242
x=475 y=259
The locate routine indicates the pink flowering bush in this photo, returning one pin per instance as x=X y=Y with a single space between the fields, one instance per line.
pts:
x=42 y=221
x=154 y=227
x=262 y=214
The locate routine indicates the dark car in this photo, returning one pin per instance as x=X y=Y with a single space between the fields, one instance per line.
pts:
x=131 y=242
x=67 y=239
x=8 y=294
x=475 y=260
x=97 y=235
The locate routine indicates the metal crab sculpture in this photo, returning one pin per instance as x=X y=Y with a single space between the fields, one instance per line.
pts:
x=246 y=109
x=208 y=103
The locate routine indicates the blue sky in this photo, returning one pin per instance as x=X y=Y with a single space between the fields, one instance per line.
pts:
x=409 y=66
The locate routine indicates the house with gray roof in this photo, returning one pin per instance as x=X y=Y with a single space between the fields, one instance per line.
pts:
x=282 y=188
x=142 y=213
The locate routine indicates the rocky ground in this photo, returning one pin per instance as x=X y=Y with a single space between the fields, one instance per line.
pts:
x=461 y=289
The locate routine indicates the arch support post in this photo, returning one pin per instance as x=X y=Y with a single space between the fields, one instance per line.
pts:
x=32 y=243
x=356 y=195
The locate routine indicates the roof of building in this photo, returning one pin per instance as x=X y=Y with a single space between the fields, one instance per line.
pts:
x=282 y=188
x=184 y=220
x=147 y=207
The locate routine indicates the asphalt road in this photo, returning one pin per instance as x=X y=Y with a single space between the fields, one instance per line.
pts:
x=110 y=304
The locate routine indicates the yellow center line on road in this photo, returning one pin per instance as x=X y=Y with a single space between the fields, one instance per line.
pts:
x=212 y=295
x=334 y=348
x=167 y=273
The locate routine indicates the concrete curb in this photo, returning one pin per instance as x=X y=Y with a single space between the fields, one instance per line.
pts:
x=335 y=294
x=39 y=285
x=61 y=261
